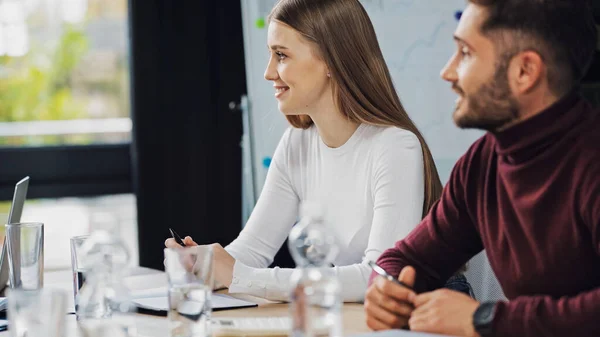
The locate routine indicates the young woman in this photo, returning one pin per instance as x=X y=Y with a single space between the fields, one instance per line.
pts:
x=352 y=148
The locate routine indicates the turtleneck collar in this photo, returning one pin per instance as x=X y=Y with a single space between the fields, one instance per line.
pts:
x=524 y=140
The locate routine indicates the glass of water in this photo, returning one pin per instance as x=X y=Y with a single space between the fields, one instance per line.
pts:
x=37 y=312
x=77 y=265
x=25 y=247
x=191 y=277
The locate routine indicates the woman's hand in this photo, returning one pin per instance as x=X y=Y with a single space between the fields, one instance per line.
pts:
x=222 y=261
x=171 y=243
x=223 y=264
x=187 y=262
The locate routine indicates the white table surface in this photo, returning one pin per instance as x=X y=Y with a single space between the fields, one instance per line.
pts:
x=155 y=326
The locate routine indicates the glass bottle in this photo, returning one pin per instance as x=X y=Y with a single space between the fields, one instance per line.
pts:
x=315 y=299
x=104 y=305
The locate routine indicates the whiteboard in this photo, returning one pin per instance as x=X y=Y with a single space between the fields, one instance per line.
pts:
x=416 y=39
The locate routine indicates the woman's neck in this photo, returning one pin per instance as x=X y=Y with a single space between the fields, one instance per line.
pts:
x=334 y=128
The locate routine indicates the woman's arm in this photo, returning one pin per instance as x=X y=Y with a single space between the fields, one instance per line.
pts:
x=397 y=192
x=273 y=216
x=274 y=283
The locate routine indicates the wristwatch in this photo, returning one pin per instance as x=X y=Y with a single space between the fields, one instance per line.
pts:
x=483 y=319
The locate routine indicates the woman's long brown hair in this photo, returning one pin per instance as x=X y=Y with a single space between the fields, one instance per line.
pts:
x=364 y=92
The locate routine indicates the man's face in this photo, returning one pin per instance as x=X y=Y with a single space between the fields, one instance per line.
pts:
x=479 y=76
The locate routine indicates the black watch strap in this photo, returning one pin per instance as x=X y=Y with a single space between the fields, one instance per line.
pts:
x=483 y=318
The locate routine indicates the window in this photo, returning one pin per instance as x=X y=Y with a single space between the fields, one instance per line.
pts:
x=64 y=73
x=65 y=97
x=65 y=116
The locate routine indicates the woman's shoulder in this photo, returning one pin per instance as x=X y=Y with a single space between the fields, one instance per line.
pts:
x=386 y=137
x=395 y=147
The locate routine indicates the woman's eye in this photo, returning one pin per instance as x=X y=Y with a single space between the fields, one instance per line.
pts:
x=280 y=55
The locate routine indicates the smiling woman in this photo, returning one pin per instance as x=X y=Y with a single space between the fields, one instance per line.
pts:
x=352 y=148
x=361 y=90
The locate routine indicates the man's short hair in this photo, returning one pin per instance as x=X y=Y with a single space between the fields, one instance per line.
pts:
x=562 y=32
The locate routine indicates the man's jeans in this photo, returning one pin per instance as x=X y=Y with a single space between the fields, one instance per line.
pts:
x=459 y=283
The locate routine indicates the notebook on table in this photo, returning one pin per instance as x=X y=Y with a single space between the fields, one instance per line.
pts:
x=156 y=302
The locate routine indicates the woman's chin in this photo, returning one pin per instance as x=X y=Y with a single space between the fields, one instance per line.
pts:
x=282 y=107
x=286 y=111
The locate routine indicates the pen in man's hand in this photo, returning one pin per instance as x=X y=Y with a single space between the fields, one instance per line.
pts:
x=383 y=273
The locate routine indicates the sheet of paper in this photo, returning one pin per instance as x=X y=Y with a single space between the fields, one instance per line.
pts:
x=149 y=281
x=150 y=292
x=219 y=301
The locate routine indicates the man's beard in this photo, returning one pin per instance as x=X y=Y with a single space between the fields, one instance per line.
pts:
x=492 y=106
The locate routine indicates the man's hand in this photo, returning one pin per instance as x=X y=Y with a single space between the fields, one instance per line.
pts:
x=444 y=312
x=387 y=304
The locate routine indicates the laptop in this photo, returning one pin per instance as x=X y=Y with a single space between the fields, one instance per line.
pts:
x=14 y=216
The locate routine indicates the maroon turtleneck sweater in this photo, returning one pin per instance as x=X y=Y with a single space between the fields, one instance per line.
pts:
x=529 y=196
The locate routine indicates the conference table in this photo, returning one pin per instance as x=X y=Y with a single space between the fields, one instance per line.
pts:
x=151 y=326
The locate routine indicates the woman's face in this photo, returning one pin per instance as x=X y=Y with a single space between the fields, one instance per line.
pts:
x=300 y=78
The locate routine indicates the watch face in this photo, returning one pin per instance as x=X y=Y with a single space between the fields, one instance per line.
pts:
x=487 y=314
x=483 y=318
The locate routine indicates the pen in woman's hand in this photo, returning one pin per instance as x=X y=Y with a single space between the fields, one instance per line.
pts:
x=177 y=238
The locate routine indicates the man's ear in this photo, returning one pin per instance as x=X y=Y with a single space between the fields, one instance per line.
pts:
x=526 y=71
